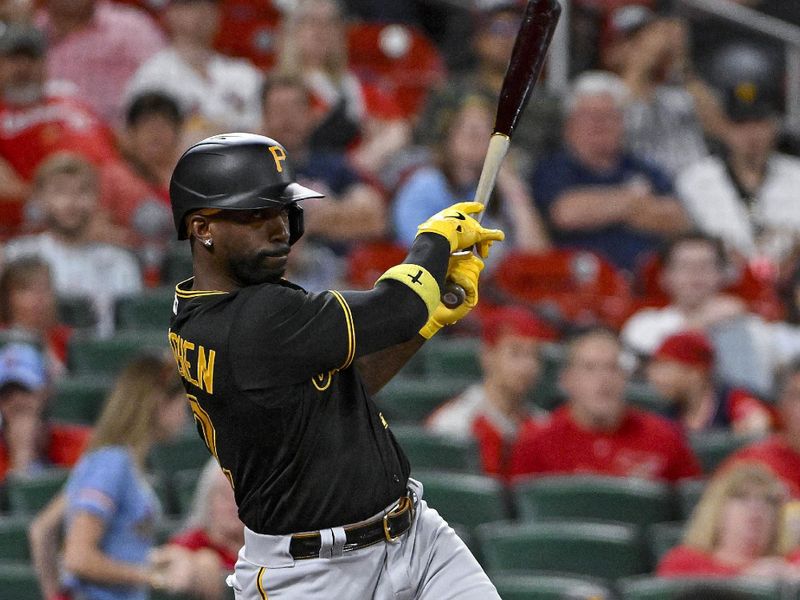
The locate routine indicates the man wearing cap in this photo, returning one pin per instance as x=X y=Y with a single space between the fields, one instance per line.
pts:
x=27 y=443
x=682 y=371
x=37 y=120
x=747 y=195
x=494 y=412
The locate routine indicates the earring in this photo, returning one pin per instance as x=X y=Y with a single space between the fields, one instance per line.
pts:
x=208 y=243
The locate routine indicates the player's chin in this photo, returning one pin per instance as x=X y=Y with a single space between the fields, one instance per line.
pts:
x=267 y=270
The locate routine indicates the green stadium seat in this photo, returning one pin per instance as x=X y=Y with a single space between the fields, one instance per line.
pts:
x=166 y=528
x=14 y=539
x=185 y=484
x=411 y=400
x=467 y=500
x=79 y=399
x=514 y=585
x=689 y=493
x=76 y=311
x=656 y=588
x=602 y=550
x=18 y=582
x=89 y=355
x=149 y=310
x=547 y=393
x=713 y=447
x=186 y=452
x=177 y=264
x=591 y=497
x=28 y=495
x=643 y=396
x=662 y=537
x=426 y=450
x=455 y=357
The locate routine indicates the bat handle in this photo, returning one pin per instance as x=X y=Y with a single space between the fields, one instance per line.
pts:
x=453 y=295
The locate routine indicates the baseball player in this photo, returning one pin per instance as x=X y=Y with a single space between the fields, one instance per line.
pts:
x=279 y=381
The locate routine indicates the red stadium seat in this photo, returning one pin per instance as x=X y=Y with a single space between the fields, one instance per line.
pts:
x=248 y=30
x=584 y=288
x=367 y=262
x=396 y=57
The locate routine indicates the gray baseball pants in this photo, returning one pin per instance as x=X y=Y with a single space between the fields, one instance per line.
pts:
x=428 y=562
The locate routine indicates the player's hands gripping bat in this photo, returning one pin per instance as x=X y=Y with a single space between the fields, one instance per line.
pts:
x=461 y=229
x=527 y=59
x=464 y=269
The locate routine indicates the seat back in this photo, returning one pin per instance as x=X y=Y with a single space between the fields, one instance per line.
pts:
x=426 y=450
x=591 y=497
x=468 y=500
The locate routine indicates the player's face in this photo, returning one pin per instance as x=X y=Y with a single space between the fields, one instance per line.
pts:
x=252 y=244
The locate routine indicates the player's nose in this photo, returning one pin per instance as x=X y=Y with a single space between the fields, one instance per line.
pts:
x=278 y=228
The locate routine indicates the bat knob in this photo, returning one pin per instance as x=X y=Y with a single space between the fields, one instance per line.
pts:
x=453 y=295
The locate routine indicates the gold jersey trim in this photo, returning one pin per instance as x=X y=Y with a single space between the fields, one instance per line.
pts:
x=181 y=293
x=261 y=591
x=351 y=330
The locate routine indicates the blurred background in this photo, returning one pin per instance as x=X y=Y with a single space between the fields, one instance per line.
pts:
x=619 y=417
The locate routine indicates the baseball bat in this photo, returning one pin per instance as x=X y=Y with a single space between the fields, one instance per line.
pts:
x=524 y=67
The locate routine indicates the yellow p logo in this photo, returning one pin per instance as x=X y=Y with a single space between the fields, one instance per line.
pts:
x=278 y=156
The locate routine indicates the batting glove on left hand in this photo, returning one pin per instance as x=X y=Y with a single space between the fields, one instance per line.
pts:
x=464 y=270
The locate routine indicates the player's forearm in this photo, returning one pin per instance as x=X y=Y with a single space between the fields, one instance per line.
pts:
x=378 y=368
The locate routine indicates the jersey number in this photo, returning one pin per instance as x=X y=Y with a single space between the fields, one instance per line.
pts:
x=203 y=419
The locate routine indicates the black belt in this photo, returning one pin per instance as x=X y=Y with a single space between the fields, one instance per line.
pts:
x=387 y=528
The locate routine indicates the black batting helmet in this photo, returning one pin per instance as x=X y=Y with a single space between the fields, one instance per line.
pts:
x=236 y=171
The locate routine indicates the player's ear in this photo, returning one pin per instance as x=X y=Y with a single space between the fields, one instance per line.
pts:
x=198 y=226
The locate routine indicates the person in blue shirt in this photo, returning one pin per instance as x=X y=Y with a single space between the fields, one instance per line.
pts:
x=111 y=509
x=593 y=193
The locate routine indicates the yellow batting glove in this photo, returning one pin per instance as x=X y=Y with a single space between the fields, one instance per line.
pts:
x=461 y=230
x=465 y=270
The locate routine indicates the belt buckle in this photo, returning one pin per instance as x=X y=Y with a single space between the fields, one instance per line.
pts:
x=386 y=533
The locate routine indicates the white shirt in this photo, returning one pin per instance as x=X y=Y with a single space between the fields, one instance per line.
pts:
x=101 y=272
x=227 y=95
x=771 y=227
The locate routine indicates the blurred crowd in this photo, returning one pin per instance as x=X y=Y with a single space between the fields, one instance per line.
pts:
x=652 y=219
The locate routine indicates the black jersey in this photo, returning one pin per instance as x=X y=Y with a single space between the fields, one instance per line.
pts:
x=268 y=370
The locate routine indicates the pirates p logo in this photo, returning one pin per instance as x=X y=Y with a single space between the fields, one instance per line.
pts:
x=278 y=155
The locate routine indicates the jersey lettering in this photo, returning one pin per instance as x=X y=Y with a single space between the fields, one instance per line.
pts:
x=208 y=433
x=203 y=368
x=278 y=156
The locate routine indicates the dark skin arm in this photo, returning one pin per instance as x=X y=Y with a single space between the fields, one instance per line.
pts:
x=378 y=368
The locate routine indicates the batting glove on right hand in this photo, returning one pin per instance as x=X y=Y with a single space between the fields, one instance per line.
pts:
x=464 y=270
x=461 y=230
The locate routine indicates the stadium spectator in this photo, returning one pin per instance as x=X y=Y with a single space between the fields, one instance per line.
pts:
x=596 y=431
x=353 y=115
x=682 y=371
x=668 y=103
x=216 y=93
x=134 y=192
x=495 y=412
x=781 y=452
x=496 y=23
x=67 y=192
x=454 y=174
x=28 y=442
x=28 y=311
x=37 y=120
x=97 y=45
x=747 y=195
x=205 y=552
x=594 y=194
x=358 y=210
x=734 y=530
x=111 y=510
x=693 y=275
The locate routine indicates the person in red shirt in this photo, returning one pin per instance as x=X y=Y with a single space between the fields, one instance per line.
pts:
x=495 y=412
x=28 y=310
x=206 y=550
x=37 y=121
x=682 y=371
x=735 y=530
x=28 y=443
x=596 y=431
x=781 y=451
